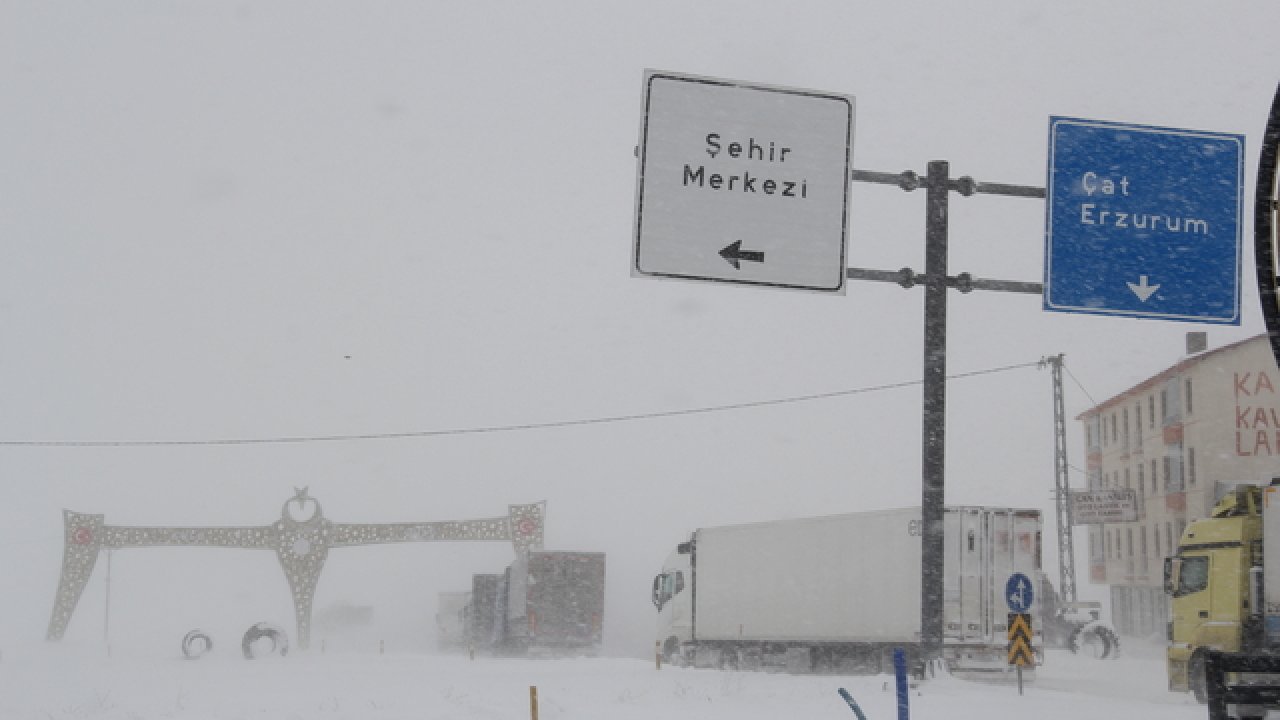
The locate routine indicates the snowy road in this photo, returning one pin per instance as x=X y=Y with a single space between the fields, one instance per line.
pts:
x=61 y=683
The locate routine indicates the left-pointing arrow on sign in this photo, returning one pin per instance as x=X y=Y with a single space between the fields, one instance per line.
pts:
x=733 y=253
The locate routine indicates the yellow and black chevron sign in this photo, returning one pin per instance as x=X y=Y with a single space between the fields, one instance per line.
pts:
x=1020 y=640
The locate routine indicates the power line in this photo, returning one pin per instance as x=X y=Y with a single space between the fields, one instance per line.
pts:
x=1081 y=386
x=495 y=428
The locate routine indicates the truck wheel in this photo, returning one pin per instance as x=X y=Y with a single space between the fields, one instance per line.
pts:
x=729 y=659
x=671 y=652
x=1094 y=639
x=1196 y=679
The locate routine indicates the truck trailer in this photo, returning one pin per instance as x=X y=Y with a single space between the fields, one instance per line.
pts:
x=839 y=593
x=544 y=603
x=1224 y=585
x=554 y=603
x=482 y=612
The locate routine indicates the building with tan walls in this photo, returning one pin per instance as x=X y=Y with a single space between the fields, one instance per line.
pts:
x=1179 y=440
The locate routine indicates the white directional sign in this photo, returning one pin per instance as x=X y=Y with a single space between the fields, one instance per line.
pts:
x=1103 y=506
x=743 y=183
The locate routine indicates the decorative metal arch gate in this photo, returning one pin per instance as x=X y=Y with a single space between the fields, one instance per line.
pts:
x=301 y=546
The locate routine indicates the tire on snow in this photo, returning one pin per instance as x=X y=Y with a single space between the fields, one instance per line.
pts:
x=1095 y=634
x=279 y=641
x=195 y=644
x=671 y=653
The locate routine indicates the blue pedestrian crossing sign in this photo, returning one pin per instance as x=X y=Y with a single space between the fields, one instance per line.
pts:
x=1019 y=593
x=1143 y=221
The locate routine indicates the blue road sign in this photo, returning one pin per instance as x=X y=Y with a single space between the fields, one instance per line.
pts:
x=1018 y=593
x=1143 y=221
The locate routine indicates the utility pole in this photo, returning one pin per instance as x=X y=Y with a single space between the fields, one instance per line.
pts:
x=1062 y=487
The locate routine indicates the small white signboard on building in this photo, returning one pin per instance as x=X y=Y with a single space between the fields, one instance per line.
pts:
x=742 y=183
x=1103 y=506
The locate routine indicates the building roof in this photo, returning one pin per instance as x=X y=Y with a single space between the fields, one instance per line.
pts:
x=1177 y=369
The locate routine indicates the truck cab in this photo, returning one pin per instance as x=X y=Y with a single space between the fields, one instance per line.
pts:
x=1215 y=585
x=673 y=596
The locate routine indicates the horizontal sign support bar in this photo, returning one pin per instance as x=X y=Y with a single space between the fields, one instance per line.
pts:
x=909 y=180
x=964 y=282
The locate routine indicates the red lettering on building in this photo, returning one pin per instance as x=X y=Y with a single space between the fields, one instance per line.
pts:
x=1262 y=418
x=1240 y=388
x=1264 y=382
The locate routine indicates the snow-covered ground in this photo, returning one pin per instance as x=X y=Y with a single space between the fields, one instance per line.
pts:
x=65 y=682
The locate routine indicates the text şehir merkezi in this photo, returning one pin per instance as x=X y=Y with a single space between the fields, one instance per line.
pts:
x=745 y=182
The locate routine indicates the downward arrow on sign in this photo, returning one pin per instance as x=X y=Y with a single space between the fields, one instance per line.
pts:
x=1142 y=289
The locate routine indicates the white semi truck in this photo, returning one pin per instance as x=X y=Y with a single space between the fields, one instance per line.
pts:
x=839 y=593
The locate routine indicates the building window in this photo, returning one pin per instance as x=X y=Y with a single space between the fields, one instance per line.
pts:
x=1142 y=490
x=1151 y=411
x=1168 y=474
x=1144 y=549
x=1127 y=484
x=1188 y=396
x=1191 y=461
x=1155 y=479
x=1115 y=435
x=1137 y=426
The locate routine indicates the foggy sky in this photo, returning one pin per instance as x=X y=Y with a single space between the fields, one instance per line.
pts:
x=252 y=221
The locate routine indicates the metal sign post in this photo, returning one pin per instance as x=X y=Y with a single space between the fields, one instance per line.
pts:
x=939 y=185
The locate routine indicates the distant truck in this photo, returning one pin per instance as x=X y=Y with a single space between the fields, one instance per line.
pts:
x=839 y=593
x=544 y=603
x=481 y=615
x=1224 y=584
x=451 y=627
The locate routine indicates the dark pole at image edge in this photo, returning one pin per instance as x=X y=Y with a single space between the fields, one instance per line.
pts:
x=1264 y=211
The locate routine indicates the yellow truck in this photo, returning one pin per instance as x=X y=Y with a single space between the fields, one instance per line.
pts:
x=1222 y=594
